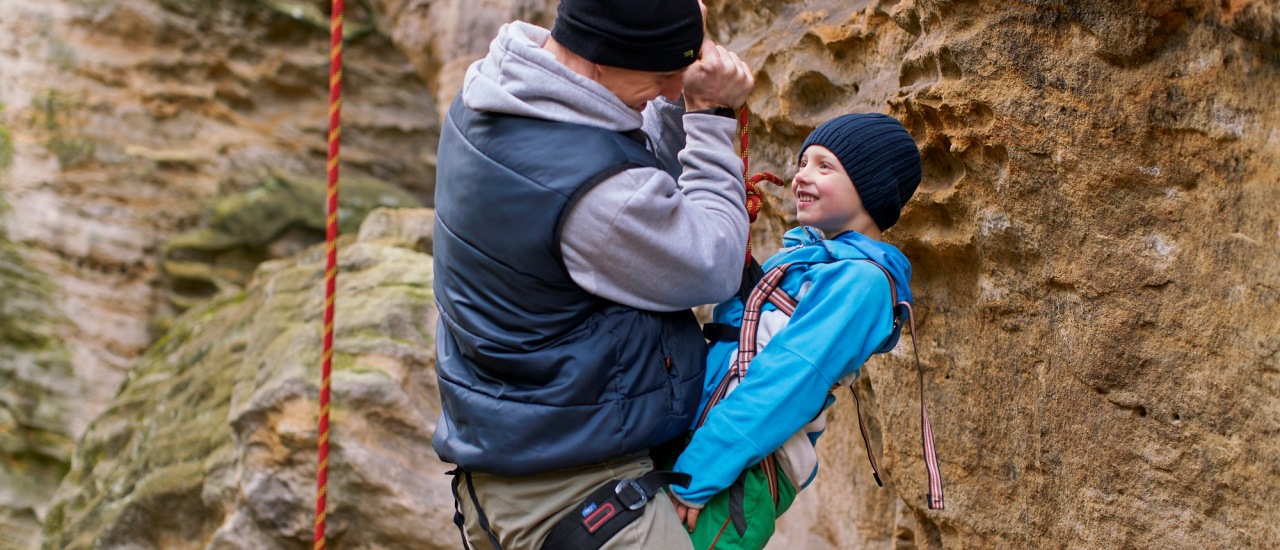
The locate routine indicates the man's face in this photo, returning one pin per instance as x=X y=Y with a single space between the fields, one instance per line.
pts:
x=638 y=88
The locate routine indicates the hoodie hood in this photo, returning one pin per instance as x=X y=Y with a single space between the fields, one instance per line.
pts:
x=519 y=77
x=805 y=244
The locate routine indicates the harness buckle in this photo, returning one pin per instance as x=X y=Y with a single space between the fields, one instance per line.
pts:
x=631 y=483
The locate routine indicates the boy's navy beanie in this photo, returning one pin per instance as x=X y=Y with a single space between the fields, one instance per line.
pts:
x=879 y=156
x=657 y=36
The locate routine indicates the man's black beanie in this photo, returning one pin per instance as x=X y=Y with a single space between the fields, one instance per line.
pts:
x=656 y=35
x=880 y=157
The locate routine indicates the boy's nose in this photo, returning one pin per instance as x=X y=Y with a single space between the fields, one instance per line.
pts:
x=801 y=177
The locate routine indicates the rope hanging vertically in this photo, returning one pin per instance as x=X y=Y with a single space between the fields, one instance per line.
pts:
x=331 y=265
x=754 y=199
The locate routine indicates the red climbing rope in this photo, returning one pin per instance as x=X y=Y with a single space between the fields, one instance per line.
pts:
x=754 y=199
x=331 y=265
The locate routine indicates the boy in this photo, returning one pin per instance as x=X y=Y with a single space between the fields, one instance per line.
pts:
x=855 y=174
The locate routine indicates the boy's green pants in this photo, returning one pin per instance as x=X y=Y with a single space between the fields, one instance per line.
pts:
x=716 y=530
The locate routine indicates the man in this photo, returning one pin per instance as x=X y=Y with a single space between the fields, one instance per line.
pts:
x=569 y=247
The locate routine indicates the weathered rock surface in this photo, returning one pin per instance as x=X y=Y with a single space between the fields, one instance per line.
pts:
x=275 y=220
x=128 y=119
x=37 y=390
x=1095 y=249
x=1095 y=262
x=1095 y=252
x=211 y=442
x=121 y=123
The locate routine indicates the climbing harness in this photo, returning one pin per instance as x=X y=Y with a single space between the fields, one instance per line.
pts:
x=605 y=512
x=331 y=265
x=608 y=509
x=768 y=290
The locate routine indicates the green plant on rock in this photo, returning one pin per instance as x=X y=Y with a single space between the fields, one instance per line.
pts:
x=56 y=114
x=36 y=387
x=6 y=143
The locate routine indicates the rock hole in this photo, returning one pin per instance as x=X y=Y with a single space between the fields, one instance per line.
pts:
x=194 y=287
x=919 y=70
x=941 y=168
x=812 y=92
x=947 y=65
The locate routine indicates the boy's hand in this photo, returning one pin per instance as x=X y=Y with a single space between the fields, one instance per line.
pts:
x=718 y=79
x=688 y=516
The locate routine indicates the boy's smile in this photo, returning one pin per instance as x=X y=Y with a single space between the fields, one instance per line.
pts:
x=825 y=196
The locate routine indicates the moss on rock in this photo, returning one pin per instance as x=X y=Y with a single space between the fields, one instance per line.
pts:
x=211 y=440
x=37 y=388
x=280 y=217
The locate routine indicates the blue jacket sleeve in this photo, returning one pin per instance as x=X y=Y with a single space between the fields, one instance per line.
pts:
x=844 y=317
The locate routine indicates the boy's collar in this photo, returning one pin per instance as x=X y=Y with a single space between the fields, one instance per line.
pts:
x=812 y=233
x=815 y=235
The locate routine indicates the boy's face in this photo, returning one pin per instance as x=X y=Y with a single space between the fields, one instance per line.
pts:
x=825 y=196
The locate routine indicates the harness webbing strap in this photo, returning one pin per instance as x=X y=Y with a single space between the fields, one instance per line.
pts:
x=866 y=440
x=934 y=497
x=717 y=332
x=608 y=509
x=765 y=291
x=936 y=501
x=766 y=288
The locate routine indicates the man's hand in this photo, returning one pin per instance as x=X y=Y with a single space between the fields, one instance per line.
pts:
x=688 y=516
x=718 y=79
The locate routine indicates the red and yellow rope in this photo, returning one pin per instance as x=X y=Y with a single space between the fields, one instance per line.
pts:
x=331 y=265
x=755 y=200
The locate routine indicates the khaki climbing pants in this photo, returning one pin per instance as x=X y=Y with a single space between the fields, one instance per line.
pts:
x=522 y=510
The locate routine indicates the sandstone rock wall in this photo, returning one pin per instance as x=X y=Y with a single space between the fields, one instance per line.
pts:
x=1094 y=245
x=211 y=442
x=122 y=122
x=37 y=396
x=128 y=118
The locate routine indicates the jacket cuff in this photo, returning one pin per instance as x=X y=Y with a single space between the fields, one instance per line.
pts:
x=685 y=502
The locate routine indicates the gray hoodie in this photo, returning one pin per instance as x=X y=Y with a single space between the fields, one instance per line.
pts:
x=640 y=238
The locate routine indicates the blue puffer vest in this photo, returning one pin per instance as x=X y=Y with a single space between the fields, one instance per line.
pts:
x=535 y=373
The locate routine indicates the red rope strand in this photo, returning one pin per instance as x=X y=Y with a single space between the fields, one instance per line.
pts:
x=755 y=200
x=331 y=266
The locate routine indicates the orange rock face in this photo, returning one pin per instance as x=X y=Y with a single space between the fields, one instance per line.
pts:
x=1095 y=247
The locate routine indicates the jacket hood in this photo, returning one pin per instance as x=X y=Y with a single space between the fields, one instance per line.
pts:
x=519 y=77
x=805 y=244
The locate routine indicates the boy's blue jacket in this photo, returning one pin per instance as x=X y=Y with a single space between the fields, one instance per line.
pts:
x=845 y=315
